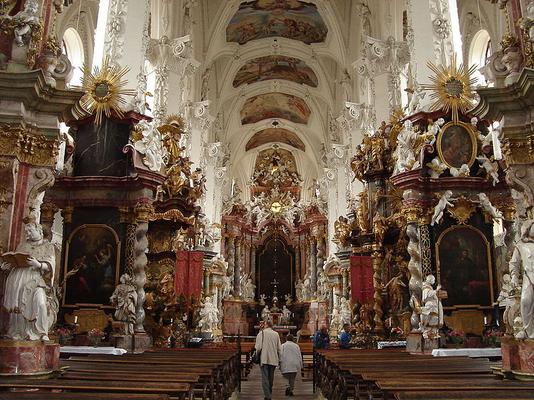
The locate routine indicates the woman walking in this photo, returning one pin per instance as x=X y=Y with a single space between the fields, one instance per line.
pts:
x=290 y=363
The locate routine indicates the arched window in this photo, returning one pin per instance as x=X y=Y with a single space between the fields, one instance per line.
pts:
x=479 y=52
x=73 y=49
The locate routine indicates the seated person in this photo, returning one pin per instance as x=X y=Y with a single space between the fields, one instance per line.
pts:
x=345 y=337
x=321 y=340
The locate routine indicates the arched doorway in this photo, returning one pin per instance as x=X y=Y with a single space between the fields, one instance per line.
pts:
x=275 y=263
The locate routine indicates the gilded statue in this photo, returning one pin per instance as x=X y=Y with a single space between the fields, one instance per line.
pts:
x=358 y=163
x=362 y=212
x=198 y=187
x=380 y=227
x=397 y=287
x=24 y=22
x=375 y=147
x=342 y=231
x=175 y=181
x=166 y=289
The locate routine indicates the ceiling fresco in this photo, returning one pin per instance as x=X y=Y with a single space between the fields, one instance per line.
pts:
x=275 y=67
x=271 y=135
x=290 y=19
x=275 y=105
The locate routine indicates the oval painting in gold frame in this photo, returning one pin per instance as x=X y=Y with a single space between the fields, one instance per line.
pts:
x=456 y=144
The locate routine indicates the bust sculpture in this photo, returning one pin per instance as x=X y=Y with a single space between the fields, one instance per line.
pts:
x=124 y=299
x=26 y=298
x=522 y=268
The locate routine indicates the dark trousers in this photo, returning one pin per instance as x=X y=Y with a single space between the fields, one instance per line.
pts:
x=267 y=377
x=290 y=376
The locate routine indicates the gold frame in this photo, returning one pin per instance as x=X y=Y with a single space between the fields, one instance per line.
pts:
x=472 y=136
x=66 y=260
x=489 y=266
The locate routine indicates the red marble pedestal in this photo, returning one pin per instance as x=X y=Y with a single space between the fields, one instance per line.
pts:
x=526 y=355
x=510 y=354
x=235 y=317
x=20 y=357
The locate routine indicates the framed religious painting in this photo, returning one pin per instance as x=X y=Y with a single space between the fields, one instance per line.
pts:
x=457 y=144
x=464 y=268
x=92 y=263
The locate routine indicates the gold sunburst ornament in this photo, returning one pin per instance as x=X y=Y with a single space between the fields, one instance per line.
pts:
x=104 y=88
x=451 y=87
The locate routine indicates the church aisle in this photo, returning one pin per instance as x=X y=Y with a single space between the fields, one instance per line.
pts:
x=251 y=388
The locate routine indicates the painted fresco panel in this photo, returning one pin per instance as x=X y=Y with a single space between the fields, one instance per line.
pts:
x=275 y=67
x=275 y=105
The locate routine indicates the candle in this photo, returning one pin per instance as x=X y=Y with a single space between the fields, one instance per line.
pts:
x=75 y=319
x=485 y=320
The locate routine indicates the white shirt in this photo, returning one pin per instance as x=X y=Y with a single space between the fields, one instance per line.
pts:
x=291 y=358
x=271 y=349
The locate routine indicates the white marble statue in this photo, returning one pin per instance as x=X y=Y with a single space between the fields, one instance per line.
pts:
x=463 y=171
x=415 y=102
x=345 y=311
x=124 y=299
x=249 y=290
x=405 y=158
x=336 y=322
x=227 y=286
x=522 y=269
x=263 y=297
x=266 y=313
x=24 y=21
x=150 y=145
x=530 y=17
x=306 y=289
x=286 y=315
x=436 y=167
x=509 y=298
x=28 y=288
x=434 y=130
x=299 y=287
x=431 y=310
x=485 y=203
x=443 y=202
x=323 y=290
x=491 y=168
x=209 y=316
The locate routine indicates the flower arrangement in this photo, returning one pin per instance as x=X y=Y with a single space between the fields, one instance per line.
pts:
x=64 y=334
x=493 y=337
x=95 y=335
x=456 y=336
x=396 y=332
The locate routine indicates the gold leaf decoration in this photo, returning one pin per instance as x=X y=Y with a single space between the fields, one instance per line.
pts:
x=462 y=210
x=451 y=87
x=104 y=88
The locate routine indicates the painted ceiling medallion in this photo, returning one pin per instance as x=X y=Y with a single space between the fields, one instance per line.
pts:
x=104 y=88
x=290 y=19
x=275 y=67
x=451 y=87
x=275 y=105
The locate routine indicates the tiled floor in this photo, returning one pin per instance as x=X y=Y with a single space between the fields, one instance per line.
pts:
x=251 y=388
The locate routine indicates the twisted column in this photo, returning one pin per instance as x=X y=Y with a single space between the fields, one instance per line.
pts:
x=142 y=212
x=377 y=284
x=416 y=274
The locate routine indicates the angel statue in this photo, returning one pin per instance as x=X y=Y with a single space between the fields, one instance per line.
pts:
x=436 y=167
x=150 y=145
x=288 y=299
x=28 y=288
x=491 y=168
x=124 y=299
x=443 y=202
x=249 y=290
x=485 y=203
x=263 y=297
x=24 y=21
x=209 y=316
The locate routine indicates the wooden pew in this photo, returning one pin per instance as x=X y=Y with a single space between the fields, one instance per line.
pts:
x=79 y=396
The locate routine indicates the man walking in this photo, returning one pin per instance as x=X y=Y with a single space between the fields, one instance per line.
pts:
x=268 y=342
x=290 y=363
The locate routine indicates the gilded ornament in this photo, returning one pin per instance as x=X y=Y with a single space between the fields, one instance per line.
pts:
x=451 y=87
x=342 y=231
x=27 y=146
x=462 y=210
x=143 y=211
x=104 y=88
x=174 y=215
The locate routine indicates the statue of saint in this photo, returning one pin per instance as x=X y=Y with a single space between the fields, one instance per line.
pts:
x=345 y=311
x=432 y=310
x=336 y=322
x=124 y=299
x=29 y=280
x=286 y=315
x=248 y=290
x=209 y=316
x=522 y=268
x=266 y=313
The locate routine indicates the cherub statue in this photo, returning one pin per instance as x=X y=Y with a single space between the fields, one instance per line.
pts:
x=434 y=130
x=288 y=299
x=485 y=203
x=462 y=171
x=124 y=299
x=24 y=21
x=262 y=299
x=491 y=168
x=432 y=309
x=443 y=202
x=27 y=288
x=436 y=167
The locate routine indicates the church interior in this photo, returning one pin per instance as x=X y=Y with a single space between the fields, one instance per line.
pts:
x=178 y=177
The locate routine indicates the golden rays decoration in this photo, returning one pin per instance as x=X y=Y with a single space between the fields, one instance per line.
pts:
x=104 y=88
x=451 y=87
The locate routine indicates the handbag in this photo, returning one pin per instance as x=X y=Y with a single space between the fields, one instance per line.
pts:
x=256 y=358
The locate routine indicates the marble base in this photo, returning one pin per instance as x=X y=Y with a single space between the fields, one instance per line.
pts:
x=136 y=343
x=510 y=354
x=20 y=357
x=526 y=356
x=235 y=317
x=416 y=343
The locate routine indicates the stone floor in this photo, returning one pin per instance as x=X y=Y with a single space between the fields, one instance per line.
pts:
x=251 y=388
